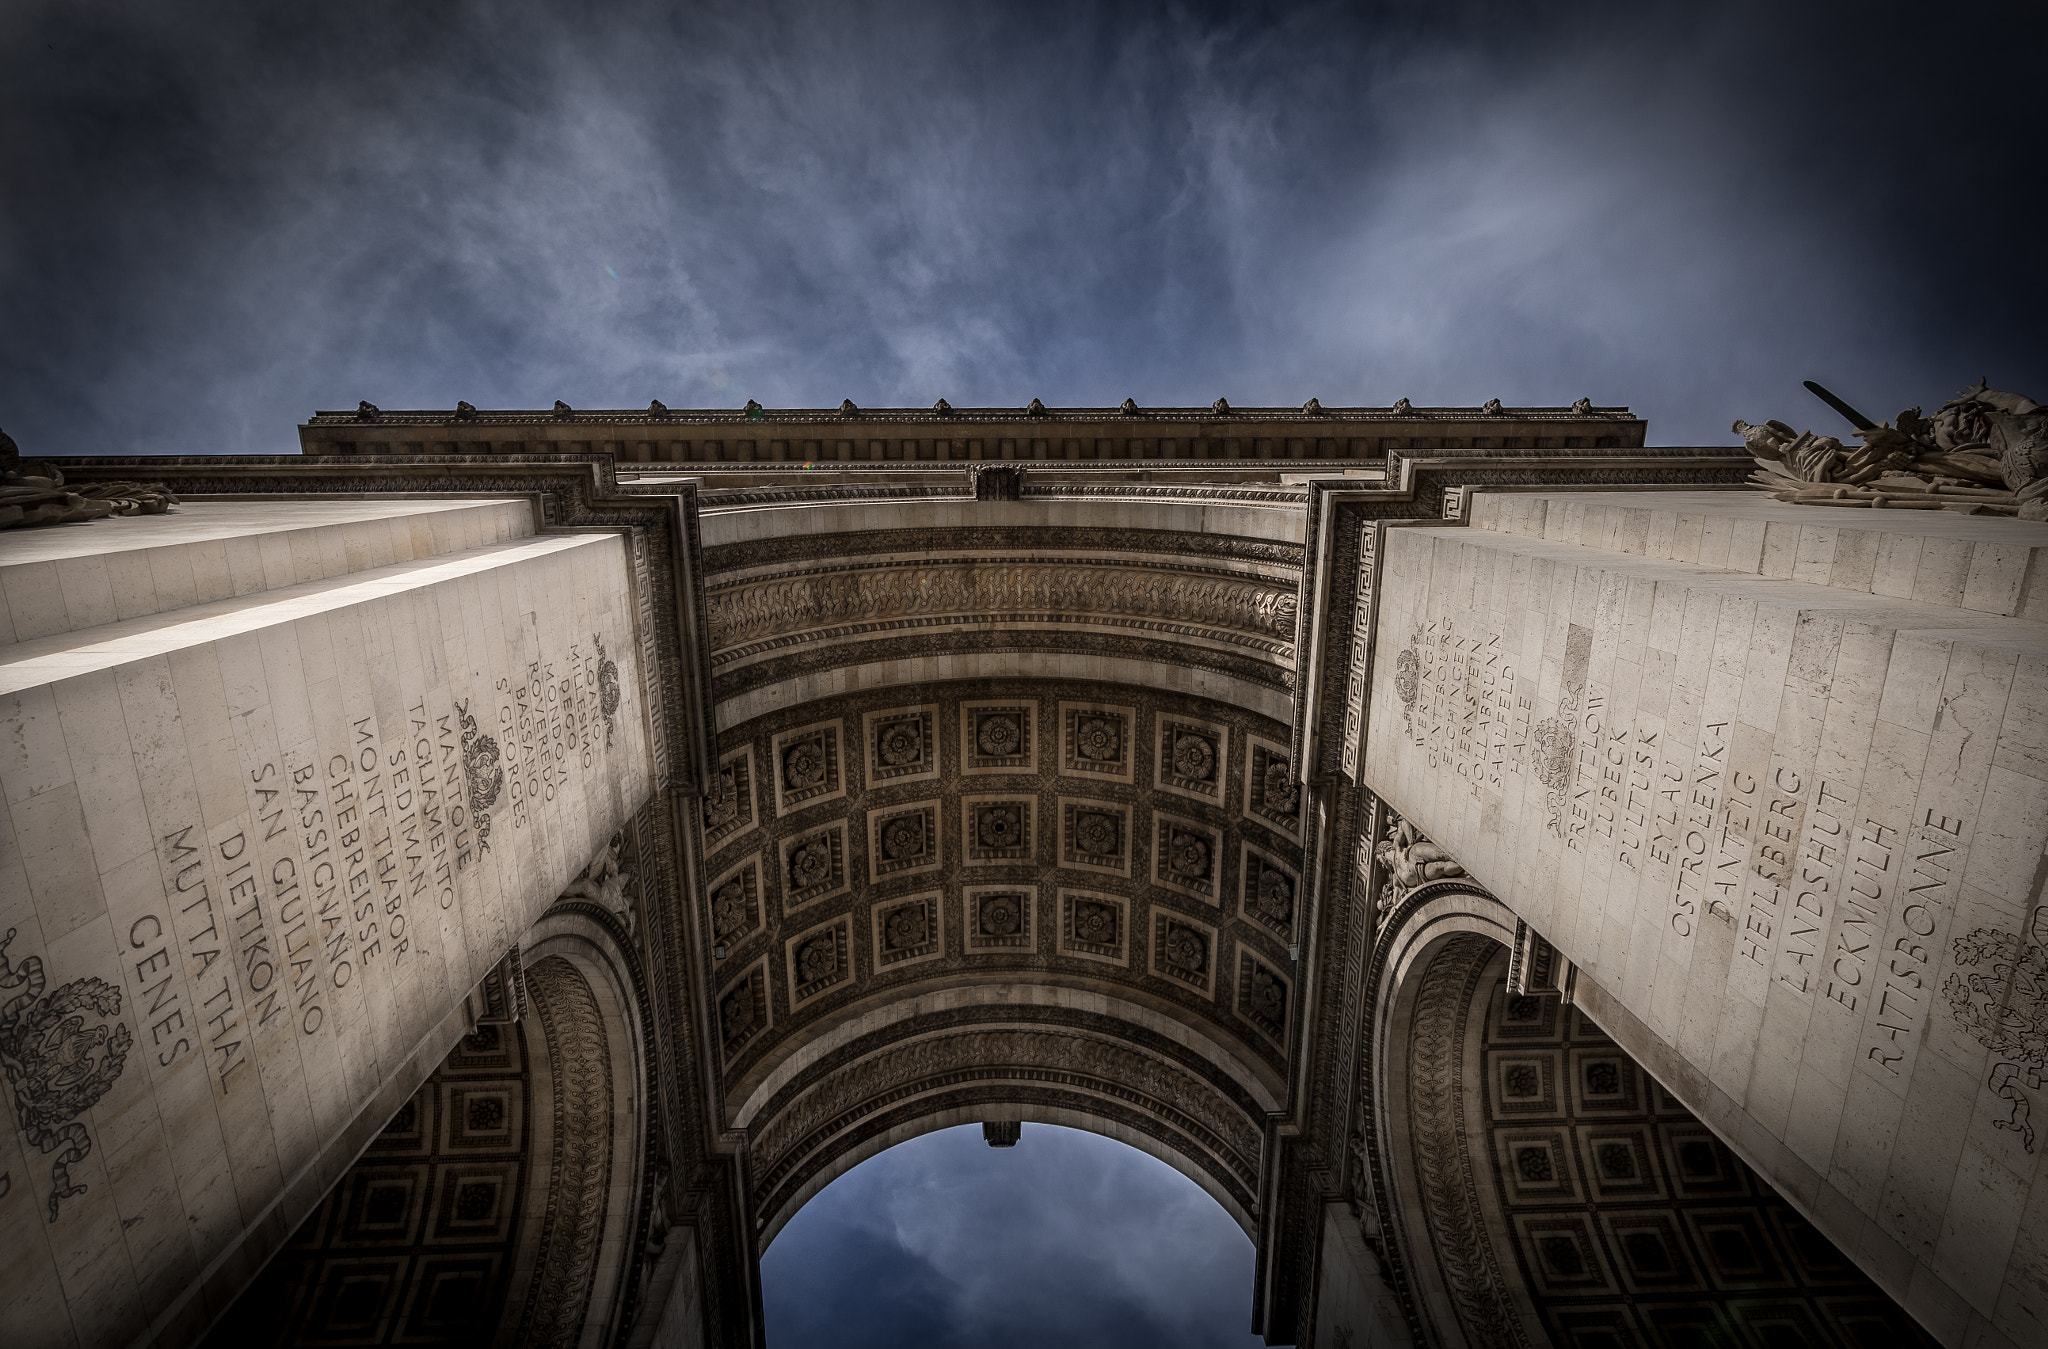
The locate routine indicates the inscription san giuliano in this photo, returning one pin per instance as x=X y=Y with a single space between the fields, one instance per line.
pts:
x=352 y=852
x=1842 y=900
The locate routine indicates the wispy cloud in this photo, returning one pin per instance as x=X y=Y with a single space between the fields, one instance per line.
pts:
x=1066 y=1239
x=211 y=224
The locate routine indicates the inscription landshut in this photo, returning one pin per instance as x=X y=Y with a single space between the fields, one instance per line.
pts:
x=1842 y=898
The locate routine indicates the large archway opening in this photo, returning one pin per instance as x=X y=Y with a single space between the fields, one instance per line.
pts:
x=1541 y=1187
x=1056 y=900
x=1069 y=1237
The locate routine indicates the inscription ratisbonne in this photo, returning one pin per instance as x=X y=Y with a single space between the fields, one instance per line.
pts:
x=1839 y=899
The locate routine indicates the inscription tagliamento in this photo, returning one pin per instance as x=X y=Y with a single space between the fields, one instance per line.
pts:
x=286 y=935
x=1840 y=894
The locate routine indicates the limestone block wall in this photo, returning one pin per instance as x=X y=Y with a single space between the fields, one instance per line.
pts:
x=1775 y=780
x=282 y=781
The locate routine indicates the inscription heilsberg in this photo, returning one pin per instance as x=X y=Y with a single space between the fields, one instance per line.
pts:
x=1836 y=901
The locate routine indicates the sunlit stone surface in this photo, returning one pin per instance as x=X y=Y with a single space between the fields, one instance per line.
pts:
x=1776 y=781
x=283 y=781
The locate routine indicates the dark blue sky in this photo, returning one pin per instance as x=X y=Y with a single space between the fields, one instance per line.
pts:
x=215 y=217
x=1067 y=1239
x=218 y=215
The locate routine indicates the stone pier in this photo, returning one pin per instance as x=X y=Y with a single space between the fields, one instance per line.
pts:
x=283 y=781
x=1774 y=781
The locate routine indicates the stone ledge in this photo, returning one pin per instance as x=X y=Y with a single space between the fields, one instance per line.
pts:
x=1985 y=564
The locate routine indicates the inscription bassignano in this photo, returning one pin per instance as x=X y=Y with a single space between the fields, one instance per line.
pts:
x=342 y=855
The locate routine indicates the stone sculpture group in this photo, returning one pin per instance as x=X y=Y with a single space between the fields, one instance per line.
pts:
x=34 y=493
x=1985 y=452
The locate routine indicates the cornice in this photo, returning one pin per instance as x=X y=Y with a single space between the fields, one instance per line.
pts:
x=740 y=419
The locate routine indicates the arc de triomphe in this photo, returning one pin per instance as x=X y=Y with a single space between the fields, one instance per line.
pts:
x=492 y=868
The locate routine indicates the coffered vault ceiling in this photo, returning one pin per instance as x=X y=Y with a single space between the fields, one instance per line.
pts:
x=1005 y=825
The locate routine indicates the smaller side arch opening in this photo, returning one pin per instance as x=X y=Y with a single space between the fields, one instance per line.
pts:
x=490 y=1208
x=1540 y=1186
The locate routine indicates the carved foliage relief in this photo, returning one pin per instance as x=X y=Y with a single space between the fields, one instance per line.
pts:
x=749 y=616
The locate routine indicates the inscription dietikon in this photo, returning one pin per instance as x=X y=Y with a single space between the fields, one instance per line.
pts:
x=1829 y=894
x=350 y=857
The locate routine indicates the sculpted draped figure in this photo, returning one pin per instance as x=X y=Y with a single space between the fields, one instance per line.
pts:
x=33 y=493
x=1409 y=861
x=1985 y=452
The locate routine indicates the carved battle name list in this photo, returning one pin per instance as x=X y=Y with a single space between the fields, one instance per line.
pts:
x=264 y=859
x=1794 y=829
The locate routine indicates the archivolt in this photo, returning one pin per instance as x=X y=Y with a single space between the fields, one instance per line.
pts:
x=1055 y=1066
x=1410 y=1139
x=580 y=1161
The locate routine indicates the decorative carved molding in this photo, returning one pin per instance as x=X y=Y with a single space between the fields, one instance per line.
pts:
x=59 y=1068
x=1440 y=1145
x=984 y=539
x=747 y=618
x=1361 y=645
x=1161 y=1091
x=580 y=1176
x=1998 y=994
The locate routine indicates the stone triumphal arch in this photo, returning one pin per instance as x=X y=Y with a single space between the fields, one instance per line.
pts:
x=475 y=879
